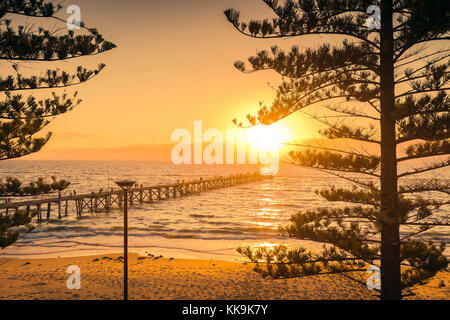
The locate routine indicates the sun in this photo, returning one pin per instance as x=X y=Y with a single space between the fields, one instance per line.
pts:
x=267 y=138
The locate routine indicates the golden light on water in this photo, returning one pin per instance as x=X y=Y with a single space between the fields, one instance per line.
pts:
x=265 y=244
x=268 y=213
x=265 y=225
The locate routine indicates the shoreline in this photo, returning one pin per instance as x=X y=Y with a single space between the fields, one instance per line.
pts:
x=161 y=278
x=227 y=253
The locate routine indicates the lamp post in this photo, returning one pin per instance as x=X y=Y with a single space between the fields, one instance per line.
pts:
x=125 y=185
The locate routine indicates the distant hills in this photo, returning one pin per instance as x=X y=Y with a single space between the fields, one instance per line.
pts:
x=159 y=152
x=162 y=152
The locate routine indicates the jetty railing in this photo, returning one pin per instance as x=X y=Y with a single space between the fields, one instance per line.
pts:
x=105 y=200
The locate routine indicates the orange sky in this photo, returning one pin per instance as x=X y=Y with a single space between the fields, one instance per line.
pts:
x=173 y=65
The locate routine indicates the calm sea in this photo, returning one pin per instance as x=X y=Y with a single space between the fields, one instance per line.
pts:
x=210 y=225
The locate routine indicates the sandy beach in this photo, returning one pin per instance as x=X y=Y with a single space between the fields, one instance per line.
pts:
x=155 y=278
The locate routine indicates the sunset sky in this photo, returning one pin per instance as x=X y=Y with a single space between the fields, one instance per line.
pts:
x=173 y=65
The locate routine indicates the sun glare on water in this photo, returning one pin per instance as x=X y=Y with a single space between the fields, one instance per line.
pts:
x=267 y=138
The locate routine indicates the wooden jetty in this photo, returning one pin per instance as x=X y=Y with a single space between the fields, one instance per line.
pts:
x=105 y=200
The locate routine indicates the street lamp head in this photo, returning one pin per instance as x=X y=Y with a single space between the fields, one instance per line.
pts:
x=125 y=184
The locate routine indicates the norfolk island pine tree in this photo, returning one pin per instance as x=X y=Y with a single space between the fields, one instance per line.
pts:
x=24 y=117
x=398 y=76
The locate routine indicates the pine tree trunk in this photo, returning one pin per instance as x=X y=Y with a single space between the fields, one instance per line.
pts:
x=390 y=238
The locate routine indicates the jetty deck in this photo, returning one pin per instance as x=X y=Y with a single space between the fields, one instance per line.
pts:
x=106 y=200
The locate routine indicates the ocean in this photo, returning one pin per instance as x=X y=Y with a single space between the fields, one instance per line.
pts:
x=210 y=225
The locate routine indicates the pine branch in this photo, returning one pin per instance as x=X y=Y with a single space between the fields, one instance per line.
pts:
x=426 y=105
x=342 y=131
x=371 y=197
x=361 y=282
x=330 y=149
x=37 y=8
x=425 y=261
x=17 y=107
x=428 y=127
x=410 y=72
x=426 y=149
x=412 y=92
x=347 y=59
x=351 y=113
x=13 y=187
x=426 y=186
x=16 y=137
x=42 y=46
x=406 y=48
x=53 y=79
x=422 y=58
x=279 y=262
x=430 y=167
x=268 y=30
x=327 y=160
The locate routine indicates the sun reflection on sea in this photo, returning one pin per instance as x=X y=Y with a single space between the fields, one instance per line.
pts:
x=265 y=244
x=263 y=225
x=268 y=213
